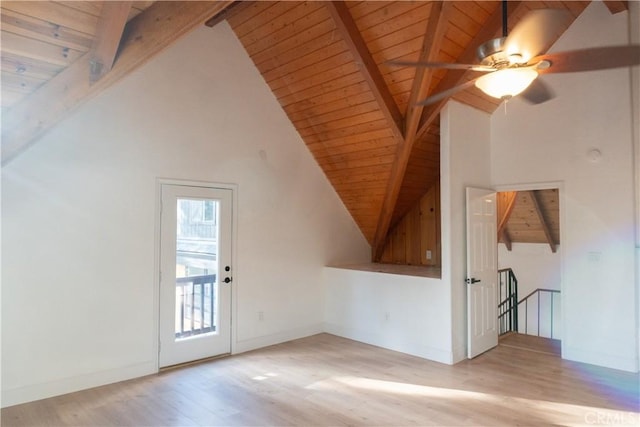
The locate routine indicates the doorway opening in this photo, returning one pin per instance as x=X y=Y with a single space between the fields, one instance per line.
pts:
x=530 y=268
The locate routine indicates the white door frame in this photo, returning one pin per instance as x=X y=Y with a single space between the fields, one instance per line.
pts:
x=156 y=258
x=561 y=201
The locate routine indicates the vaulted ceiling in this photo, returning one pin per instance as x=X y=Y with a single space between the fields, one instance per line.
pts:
x=325 y=62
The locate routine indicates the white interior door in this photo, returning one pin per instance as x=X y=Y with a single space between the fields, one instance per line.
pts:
x=195 y=273
x=482 y=271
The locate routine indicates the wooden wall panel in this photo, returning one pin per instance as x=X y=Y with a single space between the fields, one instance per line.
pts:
x=416 y=233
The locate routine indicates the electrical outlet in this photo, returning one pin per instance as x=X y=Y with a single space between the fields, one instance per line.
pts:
x=428 y=254
x=387 y=316
x=261 y=316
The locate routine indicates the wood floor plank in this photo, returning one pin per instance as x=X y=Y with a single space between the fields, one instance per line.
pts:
x=327 y=380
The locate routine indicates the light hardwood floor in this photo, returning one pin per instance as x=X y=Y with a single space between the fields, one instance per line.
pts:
x=531 y=343
x=326 y=380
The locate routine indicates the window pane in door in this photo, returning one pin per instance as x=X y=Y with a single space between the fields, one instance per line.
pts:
x=196 y=267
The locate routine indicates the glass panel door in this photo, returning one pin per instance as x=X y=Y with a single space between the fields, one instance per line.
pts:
x=195 y=282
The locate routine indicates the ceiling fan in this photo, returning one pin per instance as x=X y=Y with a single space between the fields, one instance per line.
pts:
x=512 y=63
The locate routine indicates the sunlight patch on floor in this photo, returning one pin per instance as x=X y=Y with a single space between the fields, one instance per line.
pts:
x=554 y=412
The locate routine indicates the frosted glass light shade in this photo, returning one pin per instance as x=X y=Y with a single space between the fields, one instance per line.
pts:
x=507 y=82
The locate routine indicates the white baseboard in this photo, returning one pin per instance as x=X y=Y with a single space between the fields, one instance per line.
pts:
x=264 y=341
x=600 y=359
x=378 y=340
x=33 y=392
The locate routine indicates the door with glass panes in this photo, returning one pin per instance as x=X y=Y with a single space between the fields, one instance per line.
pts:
x=195 y=273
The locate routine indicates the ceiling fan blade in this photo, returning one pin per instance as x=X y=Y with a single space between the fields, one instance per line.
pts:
x=441 y=65
x=447 y=93
x=595 y=58
x=536 y=32
x=537 y=92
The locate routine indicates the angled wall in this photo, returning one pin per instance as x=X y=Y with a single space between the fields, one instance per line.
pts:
x=78 y=212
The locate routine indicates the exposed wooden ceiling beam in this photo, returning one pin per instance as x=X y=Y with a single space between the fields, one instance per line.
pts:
x=233 y=9
x=352 y=36
x=503 y=237
x=616 y=6
x=436 y=28
x=455 y=77
x=506 y=203
x=543 y=222
x=111 y=22
x=145 y=36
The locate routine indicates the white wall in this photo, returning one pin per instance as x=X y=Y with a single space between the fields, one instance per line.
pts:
x=534 y=265
x=403 y=313
x=78 y=210
x=426 y=317
x=552 y=142
x=464 y=162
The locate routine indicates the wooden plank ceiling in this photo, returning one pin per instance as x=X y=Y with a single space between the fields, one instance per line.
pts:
x=529 y=217
x=325 y=62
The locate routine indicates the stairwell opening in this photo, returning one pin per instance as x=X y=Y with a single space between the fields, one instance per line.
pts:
x=529 y=247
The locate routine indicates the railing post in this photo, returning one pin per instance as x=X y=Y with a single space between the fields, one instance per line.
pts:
x=515 y=303
x=538 y=313
x=551 y=316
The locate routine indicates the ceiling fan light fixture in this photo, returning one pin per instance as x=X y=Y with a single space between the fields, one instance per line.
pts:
x=506 y=83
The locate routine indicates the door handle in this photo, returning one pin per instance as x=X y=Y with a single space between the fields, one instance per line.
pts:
x=472 y=280
x=227 y=280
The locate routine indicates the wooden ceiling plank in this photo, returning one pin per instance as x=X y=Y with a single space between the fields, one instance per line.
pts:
x=348 y=71
x=339 y=97
x=413 y=13
x=347 y=131
x=348 y=137
x=455 y=77
x=89 y=7
x=39 y=50
x=309 y=94
x=28 y=66
x=145 y=36
x=111 y=23
x=347 y=27
x=339 y=105
x=311 y=40
x=278 y=29
x=59 y=13
x=20 y=82
x=307 y=65
x=38 y=29
x=543 y=221
x=347 y=122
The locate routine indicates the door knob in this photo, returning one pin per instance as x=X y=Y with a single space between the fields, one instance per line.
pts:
x=472 y=280
x=227 y=280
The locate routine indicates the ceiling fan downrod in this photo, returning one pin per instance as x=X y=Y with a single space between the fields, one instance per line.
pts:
x=504 y=18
